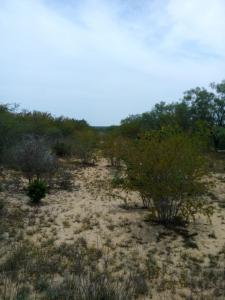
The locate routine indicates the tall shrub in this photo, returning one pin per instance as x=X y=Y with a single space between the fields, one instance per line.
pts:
x=167 y=169
x=33 y=157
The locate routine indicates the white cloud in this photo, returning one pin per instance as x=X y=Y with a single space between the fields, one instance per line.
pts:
x=102 y=60
x=199 y=21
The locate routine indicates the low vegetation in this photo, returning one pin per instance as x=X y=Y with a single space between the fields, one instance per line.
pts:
x=134 y=211
x=36 y=190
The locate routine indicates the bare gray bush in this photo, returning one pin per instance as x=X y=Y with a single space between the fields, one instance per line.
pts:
x=34 y=158
x=65 y=180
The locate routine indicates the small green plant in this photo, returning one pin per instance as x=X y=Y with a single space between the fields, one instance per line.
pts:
x=37 y=190
x=117 y=181
x=63 y=149
x=152 y=267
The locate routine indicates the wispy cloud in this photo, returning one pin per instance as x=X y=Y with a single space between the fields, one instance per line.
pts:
x=101 y=59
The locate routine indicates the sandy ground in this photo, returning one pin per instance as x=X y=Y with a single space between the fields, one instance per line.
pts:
x=95 y=212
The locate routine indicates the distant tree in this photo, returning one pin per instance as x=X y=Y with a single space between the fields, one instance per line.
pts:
x=208 y=107
x=162 y=115
x=200 y=108
x=8 y=127
x=201 y=103
x=219 y=104
x=130 y=127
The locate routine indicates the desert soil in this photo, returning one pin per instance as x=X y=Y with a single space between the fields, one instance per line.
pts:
x=96 y=212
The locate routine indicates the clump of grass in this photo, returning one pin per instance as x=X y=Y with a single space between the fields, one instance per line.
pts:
x=76 y=264
x=152 y=267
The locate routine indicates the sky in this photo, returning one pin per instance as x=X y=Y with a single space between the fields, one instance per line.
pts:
x=102 y=60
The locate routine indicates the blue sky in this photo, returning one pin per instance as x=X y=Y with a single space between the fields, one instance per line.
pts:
x=102 y=60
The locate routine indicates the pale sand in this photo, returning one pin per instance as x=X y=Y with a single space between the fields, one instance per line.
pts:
x=93 y=211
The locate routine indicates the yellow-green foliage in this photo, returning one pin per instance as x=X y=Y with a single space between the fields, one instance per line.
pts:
x=85 y=144
x=166 y=168
x=113 y=148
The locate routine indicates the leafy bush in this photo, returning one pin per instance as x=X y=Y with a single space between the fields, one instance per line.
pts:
x=219 y=138
x=117 y=181
x=113 y=145
x=62 y=149
x=37 y=190
x=166 y=168
x=85 y=146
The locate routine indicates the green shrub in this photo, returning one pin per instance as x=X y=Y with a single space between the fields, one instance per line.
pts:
x=37 y=190
x=166 y=168
x=117 y=181
x=113 y=146
x=85 y=144
x=62 y=149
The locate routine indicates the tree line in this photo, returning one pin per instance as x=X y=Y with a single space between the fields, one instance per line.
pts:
x=199 y=111
x=165 y=153
x=161 y=154
x=65 y=136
